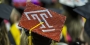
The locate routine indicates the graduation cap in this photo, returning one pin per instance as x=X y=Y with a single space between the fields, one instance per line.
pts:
x=53 y=22
x=85 y=12
x=5 y=11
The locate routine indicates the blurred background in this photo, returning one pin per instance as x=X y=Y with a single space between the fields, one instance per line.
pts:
x=73 y=32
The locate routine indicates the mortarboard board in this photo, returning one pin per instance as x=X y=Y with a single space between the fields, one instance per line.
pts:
x=85 y=12
x=34 y=14
x=5 y=11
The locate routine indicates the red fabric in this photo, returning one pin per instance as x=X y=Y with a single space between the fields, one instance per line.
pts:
x=57 y=21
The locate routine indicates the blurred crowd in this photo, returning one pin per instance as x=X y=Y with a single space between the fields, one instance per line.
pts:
x=73 y=32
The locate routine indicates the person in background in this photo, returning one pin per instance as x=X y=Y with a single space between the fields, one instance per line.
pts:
x=5 y=11
x=4 y=40
x=11 y=16
x=74 y=20
x=15 y=29
x=85 y=12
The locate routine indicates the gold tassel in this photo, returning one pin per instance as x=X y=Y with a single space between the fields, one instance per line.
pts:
x=30 y=37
